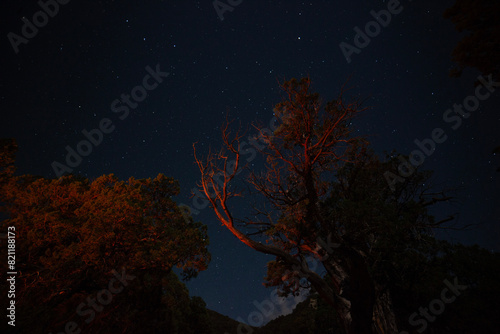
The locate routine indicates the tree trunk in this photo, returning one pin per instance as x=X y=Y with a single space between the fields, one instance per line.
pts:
x=384 y=319
x=361 y=292
x=365 y=310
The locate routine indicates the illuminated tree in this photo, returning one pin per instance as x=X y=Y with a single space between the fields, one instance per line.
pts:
x=325 y=200
x=74 y=235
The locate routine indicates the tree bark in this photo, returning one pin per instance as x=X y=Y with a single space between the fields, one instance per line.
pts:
x=384 y=319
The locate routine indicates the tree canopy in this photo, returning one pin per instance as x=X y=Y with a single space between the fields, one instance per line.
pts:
x=74 y=235
x=480 y=47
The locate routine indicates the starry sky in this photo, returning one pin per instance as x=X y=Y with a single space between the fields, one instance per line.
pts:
x=70 y=75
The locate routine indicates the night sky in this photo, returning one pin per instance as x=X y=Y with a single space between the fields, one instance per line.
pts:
x=71 y=74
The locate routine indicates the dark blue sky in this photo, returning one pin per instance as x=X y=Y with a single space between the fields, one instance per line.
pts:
x=67 y=76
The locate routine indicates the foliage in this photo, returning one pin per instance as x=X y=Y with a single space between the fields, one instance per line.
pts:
x=73 y=233
x=480 y=48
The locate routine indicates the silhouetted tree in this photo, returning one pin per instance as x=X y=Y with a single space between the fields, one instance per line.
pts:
x=480 y=48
